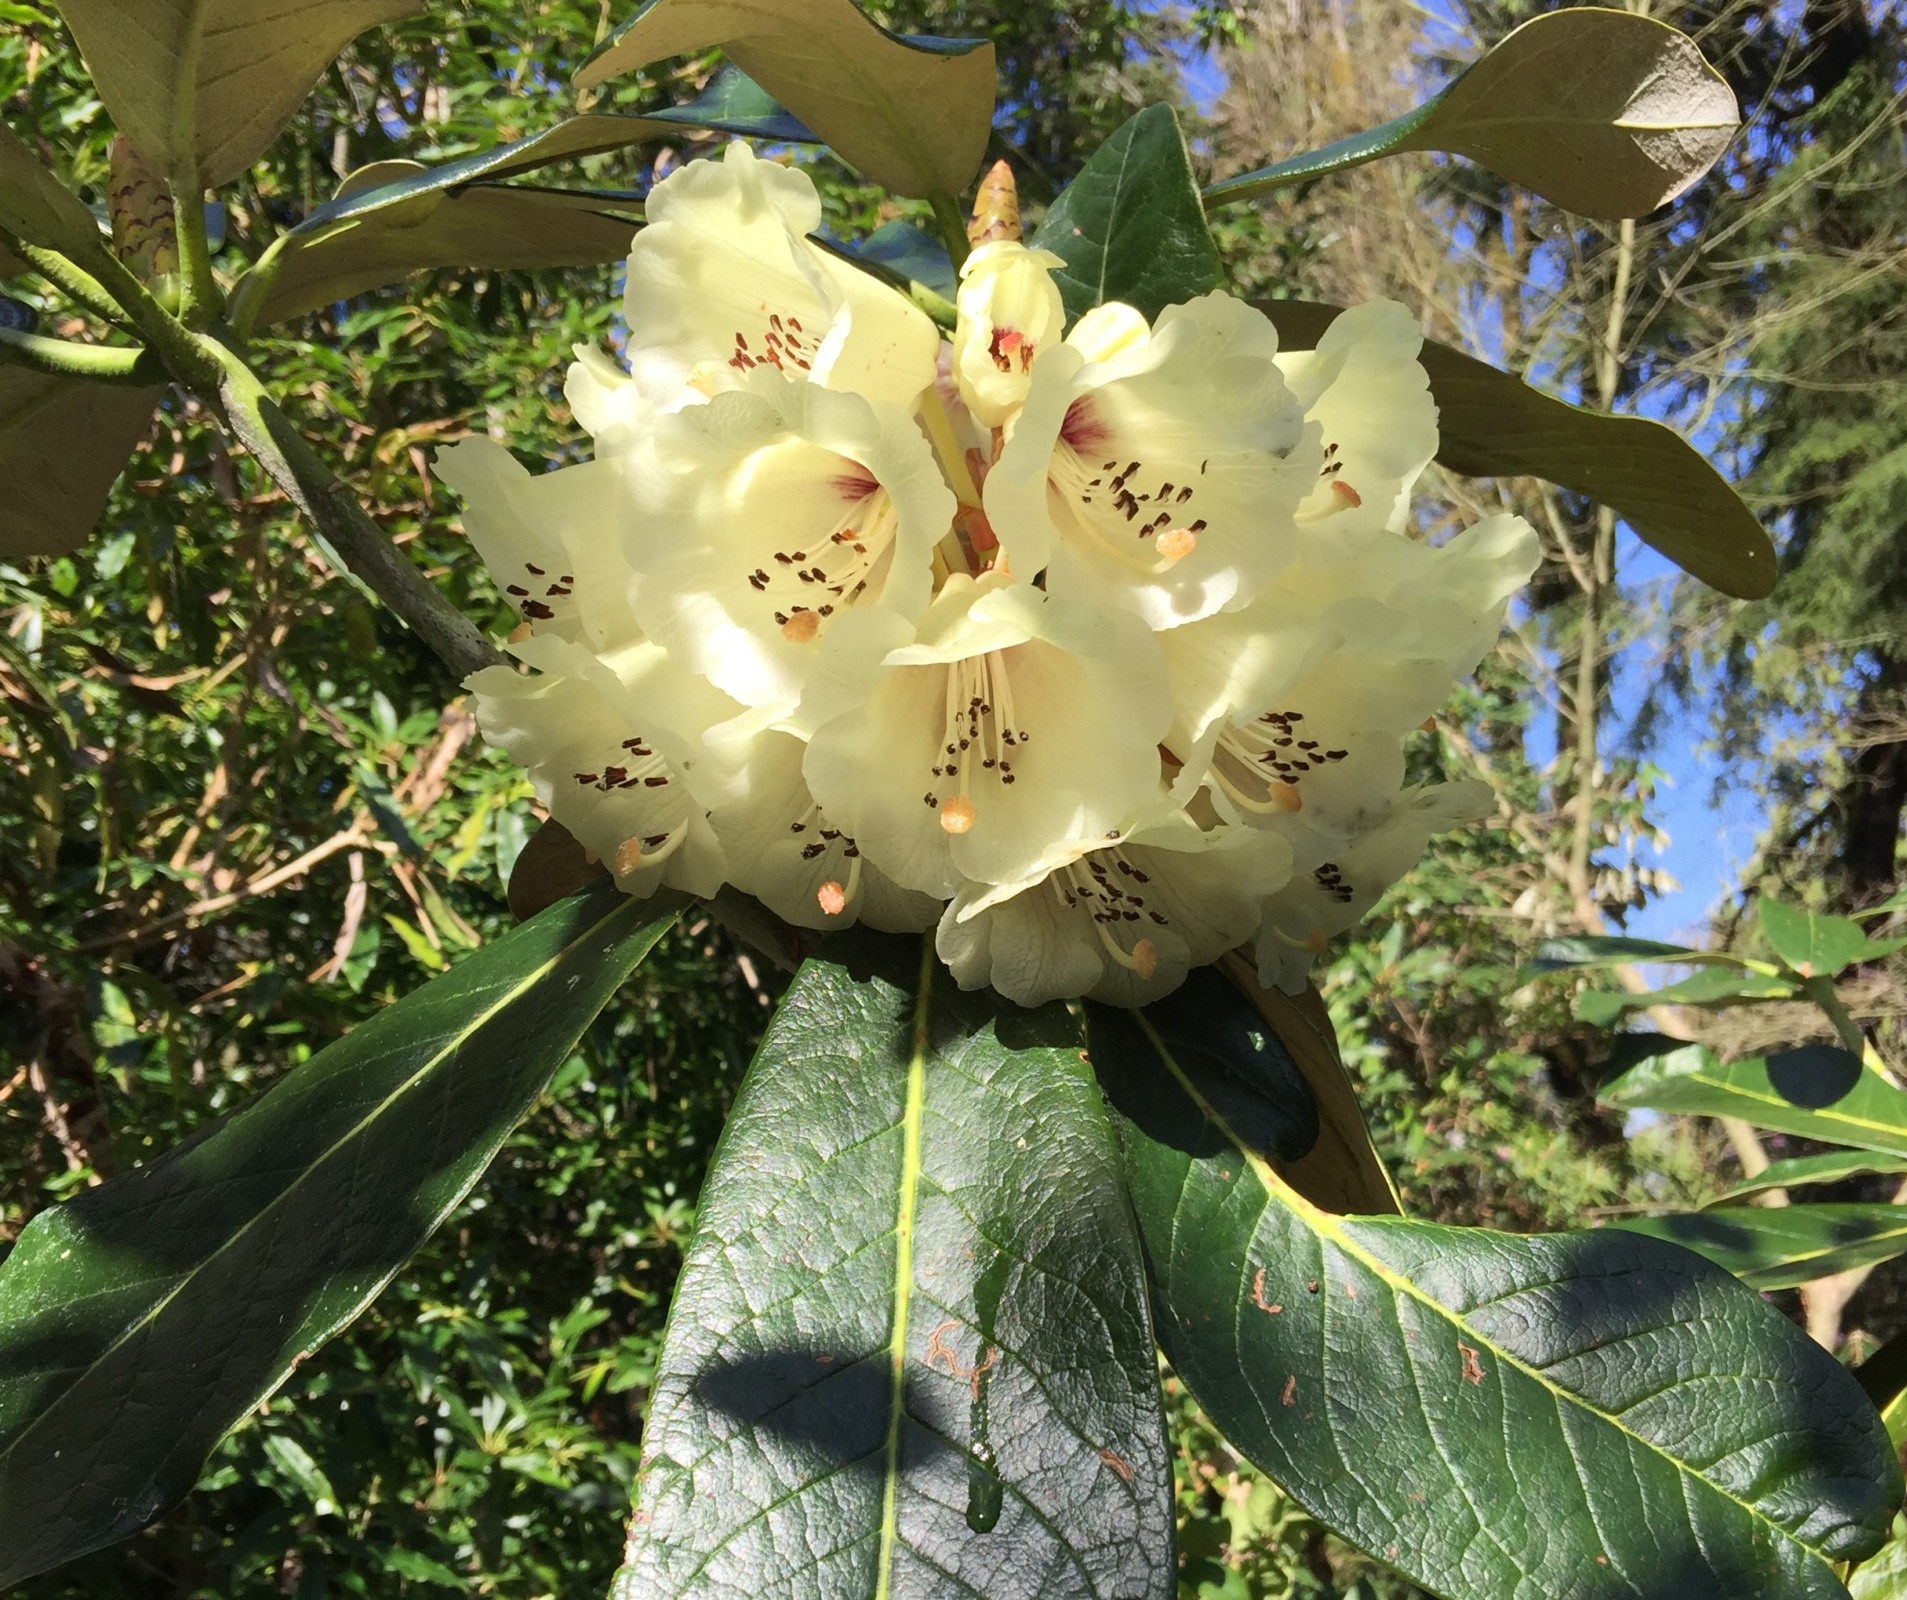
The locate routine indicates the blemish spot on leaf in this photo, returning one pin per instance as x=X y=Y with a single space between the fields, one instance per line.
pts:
x=1472 y=1366
x=1258 y=1294
x=1119 y=1464
x=939 y=1350
x=1290 y=1396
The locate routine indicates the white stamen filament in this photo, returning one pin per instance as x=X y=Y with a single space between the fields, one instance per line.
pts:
x=635 y=855
x=1281 y=799
x=1091 y=881
x=1146 y=531
x=978 y=730
x=1258 y=764
x=828 y=570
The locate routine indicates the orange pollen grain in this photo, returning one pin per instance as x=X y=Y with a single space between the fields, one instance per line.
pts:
x=833 y=898
x=1145 y=958
x=1284 y=796
x=1428 y=725
x=956 y=814
x=1346 y=493
x=801 y=627
x=1316 y=942
x=1175 y=544
x=628 y=857
x=520 y=632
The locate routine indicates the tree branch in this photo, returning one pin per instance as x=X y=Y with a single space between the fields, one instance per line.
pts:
x=345 y=526
x=97 y=363
x=78 y=285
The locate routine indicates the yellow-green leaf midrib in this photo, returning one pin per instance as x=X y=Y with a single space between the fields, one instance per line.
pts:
x=1327 y=1227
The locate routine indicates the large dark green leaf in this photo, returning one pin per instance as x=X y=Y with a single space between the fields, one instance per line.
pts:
x=1798 y=1172
x=1695 y=1081
x=912 y=113
x=1593 y=1415
x=1712 y=986
x=63 y=443
x=1592 y=952
x=1131 y=226
x=909 y=1355
x=1493 y=425
x=1607 y=113
x=142 y=1319
x=1776 y=1247
x=201 y=87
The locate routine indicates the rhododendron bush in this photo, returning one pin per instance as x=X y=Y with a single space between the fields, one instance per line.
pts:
x=1039 y=651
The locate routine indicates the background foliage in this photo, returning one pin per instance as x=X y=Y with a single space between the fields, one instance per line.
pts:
x=275 y=783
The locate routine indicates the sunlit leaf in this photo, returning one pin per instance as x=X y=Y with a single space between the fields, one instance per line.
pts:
x=1130 y=227
x=201 y=87
x=1776 y=1247
x=143 y=1318
x=1592 y=953
x=1712 y=986
x=910 y=1354
x=1695 y=1081
x=1588 y=1414
x=381 y=233
x=912 y=113
x=1493 y=425
x=392 y=218
x=1885 y=1577
x=1798 y=1172
x=1816 y=943
x=1606 y=113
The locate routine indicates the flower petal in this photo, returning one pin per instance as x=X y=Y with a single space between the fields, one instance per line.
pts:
x=612 y=410
x=962 y=748
x=1365 y=388
x=1334 y=895
x=1163 y=478
x=1121 y=920
x=614 y=749
x=787 y=853
x=724 y=280
x=551 y=540
x=767 y=514
x=1010 y=310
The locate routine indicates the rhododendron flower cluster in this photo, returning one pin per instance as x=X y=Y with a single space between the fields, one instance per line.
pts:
x=1095 y=651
